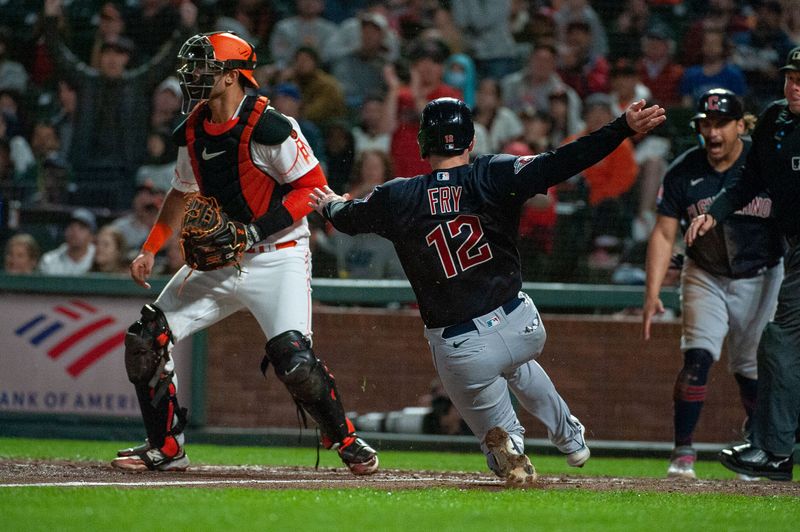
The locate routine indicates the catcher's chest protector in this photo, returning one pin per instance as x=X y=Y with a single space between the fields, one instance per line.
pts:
x=223 y=165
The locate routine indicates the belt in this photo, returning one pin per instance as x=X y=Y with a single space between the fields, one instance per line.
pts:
x=469 y=326
x=263 y=248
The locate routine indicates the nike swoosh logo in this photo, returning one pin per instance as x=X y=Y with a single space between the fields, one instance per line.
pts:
x=207 y=156
x=693 y=182
x=458 y=344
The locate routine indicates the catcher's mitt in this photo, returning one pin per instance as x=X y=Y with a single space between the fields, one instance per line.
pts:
x=209 y=239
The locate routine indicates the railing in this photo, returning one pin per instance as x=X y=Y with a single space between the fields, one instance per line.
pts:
x=560 y=297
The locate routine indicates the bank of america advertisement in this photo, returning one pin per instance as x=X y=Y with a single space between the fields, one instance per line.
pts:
x=65 y=355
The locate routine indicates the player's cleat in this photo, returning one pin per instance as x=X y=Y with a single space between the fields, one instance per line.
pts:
x=755 y=462
x=681 y=463
x=152 y=460
x=510 y=465
x=579 y=457
x=134 y=450
x=747 y=478
x=358 y=456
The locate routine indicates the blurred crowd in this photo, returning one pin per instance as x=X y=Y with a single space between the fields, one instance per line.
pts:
x=88 y=101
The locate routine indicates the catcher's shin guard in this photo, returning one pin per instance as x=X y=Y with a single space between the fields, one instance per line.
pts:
x=147 y=345
x=309 y=382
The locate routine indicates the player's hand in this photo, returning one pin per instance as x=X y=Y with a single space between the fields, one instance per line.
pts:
x=700 y=225
x=642 y=119
x=141 y=267
x=322 y=196
x=650 y=309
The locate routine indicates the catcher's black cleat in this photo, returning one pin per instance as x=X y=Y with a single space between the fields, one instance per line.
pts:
x=153 y=460
x=358 y=456
x=132 y=451
x=752 y=461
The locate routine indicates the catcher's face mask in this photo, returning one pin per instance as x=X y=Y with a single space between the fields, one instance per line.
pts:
x=207 y=55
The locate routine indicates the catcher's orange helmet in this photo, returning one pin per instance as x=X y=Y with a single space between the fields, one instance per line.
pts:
x=208 y=54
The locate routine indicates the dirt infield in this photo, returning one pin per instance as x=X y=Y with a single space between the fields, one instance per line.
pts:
x=96 y=474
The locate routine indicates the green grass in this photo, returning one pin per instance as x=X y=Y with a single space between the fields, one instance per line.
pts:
x=367 y=510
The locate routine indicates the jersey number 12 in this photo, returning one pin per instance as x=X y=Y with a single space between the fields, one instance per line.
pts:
x=470 y=253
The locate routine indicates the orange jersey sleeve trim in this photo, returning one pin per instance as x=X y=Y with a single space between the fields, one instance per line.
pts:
x=296 y=200
x=159 y=234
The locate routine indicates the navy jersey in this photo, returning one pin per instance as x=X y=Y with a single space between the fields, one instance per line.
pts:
x=455 y=229
x=772 y=165
x=746 y=242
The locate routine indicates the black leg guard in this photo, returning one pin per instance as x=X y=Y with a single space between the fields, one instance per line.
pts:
x=163 y=416
x=146 y=352
x=309 y=382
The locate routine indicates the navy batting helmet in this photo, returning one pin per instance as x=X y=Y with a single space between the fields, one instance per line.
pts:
x=445 y=127
x=719 y=102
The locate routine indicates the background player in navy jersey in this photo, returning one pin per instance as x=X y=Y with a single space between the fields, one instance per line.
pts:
x=455 y=233
x=730 y=279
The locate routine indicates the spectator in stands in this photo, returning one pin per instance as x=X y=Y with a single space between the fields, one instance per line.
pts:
x=374 y=128
x=657 y=68
x=366 y=256
x=460 y=73
x=761 y=51
x=76 y=254
x=111 y=26
x=720 y=16
x=285 y=97
x=487 y=32
x=651 y=152
x=608 y=181
x=135 y=225
x=159 y=165
x=581 y=11
x=561 y=109
x=20 y=153
x=305 y=30
x=151 y=24
x=361 y=71
x=13 y=75
x=716 y=70
x=628 y=29
x=426 y=83
x=242 y=17
x=791 y=20
x=21 y=254
x=53 y=183
x=110 y=251
x=340 y=151
x=501 y=122
x=167 y=100
x=347 y=38
x=582 y=67
x=112 y=110
x=64 y=119
x=322 y=96
x=537 y=128
x=532 y=86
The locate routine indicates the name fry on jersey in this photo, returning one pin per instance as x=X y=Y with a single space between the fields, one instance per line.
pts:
x=444 y=200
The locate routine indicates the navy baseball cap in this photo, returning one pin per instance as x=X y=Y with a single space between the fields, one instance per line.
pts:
x=792 y=61
x=719 y=102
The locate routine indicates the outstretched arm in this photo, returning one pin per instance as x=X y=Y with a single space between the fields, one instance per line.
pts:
x=553 y=167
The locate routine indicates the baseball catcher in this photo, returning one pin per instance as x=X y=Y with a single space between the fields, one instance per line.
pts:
x=239 y=202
